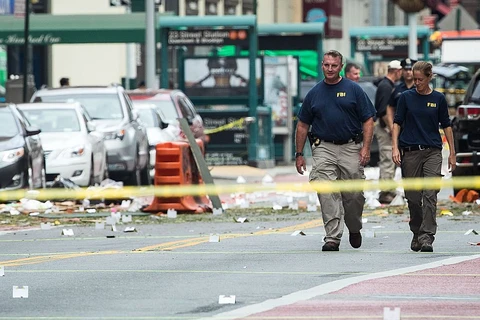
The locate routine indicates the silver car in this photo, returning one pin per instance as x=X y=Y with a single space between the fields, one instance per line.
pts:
x=73 y=149
x=112 y=113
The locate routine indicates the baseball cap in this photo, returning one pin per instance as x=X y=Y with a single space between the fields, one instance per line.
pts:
x=394 y=64
x=407 y=63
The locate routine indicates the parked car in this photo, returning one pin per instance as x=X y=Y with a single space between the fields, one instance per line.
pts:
x=22 y=162
x=73 y=149
x=466 y=131
x=452 y=81
x=173 y=104
x=153 y=121
x=112 y=112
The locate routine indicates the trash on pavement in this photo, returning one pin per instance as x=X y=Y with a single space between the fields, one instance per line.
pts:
x=241 y=220
x=20 y=291
x=218 y=211
x=214 y=238
x=446 y=213
x=391 y=314
x=45 y=226
x=171 y=213
x=126 y=218
x=130 y=229
x=471 y=231
x=223 y=299
x=67 y=232
x=298 y=232
x=2 y=271
x=65 y=183
x=474 y=243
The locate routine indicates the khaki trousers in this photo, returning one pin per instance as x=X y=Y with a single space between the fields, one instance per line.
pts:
x=422 y=204
x=386 y=165
x=339 y=162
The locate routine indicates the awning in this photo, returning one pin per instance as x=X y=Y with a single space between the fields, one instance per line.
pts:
x=47 y=29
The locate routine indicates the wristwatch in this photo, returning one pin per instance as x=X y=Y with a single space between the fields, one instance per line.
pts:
x=298 y=154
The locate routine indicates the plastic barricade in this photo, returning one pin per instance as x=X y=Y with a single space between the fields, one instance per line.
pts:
x=175 y=165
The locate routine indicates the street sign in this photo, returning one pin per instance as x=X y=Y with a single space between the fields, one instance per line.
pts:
x=207 y=37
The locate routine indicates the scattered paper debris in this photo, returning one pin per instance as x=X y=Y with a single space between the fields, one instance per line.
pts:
x=311 y=207
x=214 y=238
x=298 y=232
x=126 y=218
x=241 y=179
x=34 y=214
x=172 y=213
x=223 y=299
x=114 y=228
x=99 y=225
x=369 y=233
x=471 y=231
x=20 y=291
x=364 y=220
x=130 y=229
x=241 y=220
x=277 y=207
x=45 y=226
x=474 y=243
x=391 y=314
x=14 y=212
x=466 y=213
x=67 y=232
x=91 y=210
x=267 y=179
x=218 y=211
x=2 y=271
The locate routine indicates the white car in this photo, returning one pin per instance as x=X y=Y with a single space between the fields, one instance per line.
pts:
x=157 y=129
x=73 y=149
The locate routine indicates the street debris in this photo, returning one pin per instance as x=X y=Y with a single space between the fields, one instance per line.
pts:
x=20 y=291
x=298 y=232
x=391 y=314
x=214 y=238
x=67 y=232
x=223 y=299
x=471 y=231
x=2 y=271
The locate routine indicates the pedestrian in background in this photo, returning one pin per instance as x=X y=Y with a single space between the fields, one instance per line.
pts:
x=352 y=71
x=418 y=149
x=404 y=85
x=382 y=127
x=64 y=82
x=341 y=116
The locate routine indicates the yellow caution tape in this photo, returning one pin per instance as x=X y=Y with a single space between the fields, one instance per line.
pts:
x=236 y=123
x=471 y=182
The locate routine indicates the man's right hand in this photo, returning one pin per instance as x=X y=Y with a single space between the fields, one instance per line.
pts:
x=301 y=165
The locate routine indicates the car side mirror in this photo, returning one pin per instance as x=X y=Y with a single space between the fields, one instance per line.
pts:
x=91 y=126
x=32 y=130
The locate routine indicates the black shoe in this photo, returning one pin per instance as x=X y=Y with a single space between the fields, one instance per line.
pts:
x=386 y=197
x=415 y=245
x=355 y=239
x=427 y=247
x=330 y=246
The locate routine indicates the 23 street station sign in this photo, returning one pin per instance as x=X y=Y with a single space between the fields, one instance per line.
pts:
x=208 y=37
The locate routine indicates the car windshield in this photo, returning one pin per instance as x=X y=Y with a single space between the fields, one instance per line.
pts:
x=9 y=127
x=148 y=117
x=166 y=108
x=98 y=106
x=53 y=120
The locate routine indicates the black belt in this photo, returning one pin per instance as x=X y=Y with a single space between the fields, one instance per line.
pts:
x=416 y=148
x=338 y=142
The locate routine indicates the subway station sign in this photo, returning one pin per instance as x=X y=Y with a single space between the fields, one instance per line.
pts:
x=207 y=37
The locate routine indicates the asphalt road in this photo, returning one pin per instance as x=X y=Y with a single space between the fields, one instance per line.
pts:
x=171 y=271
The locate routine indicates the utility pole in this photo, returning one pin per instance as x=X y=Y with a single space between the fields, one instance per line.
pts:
x=150 y=67
x=26 y=51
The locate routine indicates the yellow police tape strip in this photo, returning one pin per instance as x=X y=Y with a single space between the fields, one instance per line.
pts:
x=471 y=182
x=236 y=123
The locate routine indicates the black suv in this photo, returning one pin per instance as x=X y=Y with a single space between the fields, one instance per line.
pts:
x=466 y=131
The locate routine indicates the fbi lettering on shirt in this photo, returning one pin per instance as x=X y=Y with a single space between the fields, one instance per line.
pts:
x=431 y=105
x=341 y=94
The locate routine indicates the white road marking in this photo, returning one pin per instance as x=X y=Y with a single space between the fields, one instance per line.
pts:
x=328 y=288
